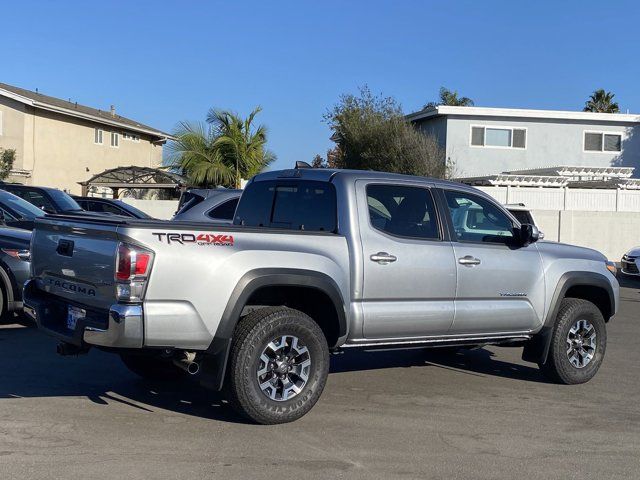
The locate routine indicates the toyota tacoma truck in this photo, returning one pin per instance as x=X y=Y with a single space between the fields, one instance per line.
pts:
x=316 y=261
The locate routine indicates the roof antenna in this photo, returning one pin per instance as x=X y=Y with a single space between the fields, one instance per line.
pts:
x=300 y=164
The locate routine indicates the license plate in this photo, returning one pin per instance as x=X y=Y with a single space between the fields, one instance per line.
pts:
x=73 y=315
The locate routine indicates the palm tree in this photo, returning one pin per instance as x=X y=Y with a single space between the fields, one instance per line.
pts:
x=448 y=97
x=240 y=143
x=194 y=153
x=601 y=101
x=221 y=151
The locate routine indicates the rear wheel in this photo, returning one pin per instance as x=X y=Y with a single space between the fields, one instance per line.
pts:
x=278 y=365
x=152 y=366
x=578 y=343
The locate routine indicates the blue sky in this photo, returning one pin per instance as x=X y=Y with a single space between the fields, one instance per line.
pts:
x=161 y=62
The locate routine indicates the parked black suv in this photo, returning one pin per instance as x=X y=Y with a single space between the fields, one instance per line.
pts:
x=16 y=212
x=14 y=269
x=109 y=206
x=49 y=200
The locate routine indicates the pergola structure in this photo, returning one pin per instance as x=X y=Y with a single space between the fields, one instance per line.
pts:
x=138 y=178
x=561 y=176
x=512 y=180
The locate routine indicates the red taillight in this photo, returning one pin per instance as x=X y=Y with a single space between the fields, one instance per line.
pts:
x=142 y=263
x=123 y=270
x=132 y=262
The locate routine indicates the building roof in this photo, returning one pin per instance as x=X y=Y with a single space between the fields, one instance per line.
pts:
x=443 y=110
x=74 y=109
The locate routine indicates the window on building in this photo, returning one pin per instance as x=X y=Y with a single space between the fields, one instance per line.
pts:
x=115 y=139
x=602 y=142
x=98 y=136
x=504 y=137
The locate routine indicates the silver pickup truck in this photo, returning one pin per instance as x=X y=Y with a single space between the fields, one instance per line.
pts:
x=316 y=261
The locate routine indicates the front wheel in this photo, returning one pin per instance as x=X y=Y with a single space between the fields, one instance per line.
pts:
x=578 y=343
x=278 y=365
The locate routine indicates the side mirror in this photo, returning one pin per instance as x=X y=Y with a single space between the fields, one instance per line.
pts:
x=528 y=234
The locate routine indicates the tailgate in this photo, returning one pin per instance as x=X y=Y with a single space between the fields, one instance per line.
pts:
x=75 y=259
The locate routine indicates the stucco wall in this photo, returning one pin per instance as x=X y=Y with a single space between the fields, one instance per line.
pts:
x=548 y=143
x=12 y=132
x=60 y=151
x=436 y=127
x=65 y=152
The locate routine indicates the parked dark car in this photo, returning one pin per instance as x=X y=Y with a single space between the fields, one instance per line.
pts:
x=216 y=206
x=16 y=212
x=195 y=196
x=109 y=206
x=49 y=200
x=14 y=269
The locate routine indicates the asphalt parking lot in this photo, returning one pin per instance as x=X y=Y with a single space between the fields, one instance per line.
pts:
x=410 y=414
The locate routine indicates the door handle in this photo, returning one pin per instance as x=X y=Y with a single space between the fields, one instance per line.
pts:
x=383 y=258
x=469 y=260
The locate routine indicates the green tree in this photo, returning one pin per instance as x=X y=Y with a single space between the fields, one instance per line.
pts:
x=221 y=151
x=7 y=158
x=371 y=133
x=601 y=101
x=449 y=97
x=240 y=143
x=318 y=162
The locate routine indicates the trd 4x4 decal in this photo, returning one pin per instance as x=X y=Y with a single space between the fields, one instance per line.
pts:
x=199 y=238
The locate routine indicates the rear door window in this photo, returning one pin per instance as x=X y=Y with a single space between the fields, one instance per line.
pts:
x=403 y=211
x=291 y=205
x=224 y=211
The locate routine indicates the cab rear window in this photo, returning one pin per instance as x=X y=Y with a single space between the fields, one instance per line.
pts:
x=290 y=205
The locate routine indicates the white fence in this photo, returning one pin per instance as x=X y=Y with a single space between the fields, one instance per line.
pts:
x=162 y=209
x=584 y=199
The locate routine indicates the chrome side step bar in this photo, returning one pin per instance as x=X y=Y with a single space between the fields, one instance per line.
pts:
x=438 y=341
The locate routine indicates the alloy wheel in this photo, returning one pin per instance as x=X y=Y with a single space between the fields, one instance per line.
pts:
x=284 y=368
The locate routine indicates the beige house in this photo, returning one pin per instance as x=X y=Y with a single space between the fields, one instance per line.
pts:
x=60 y=143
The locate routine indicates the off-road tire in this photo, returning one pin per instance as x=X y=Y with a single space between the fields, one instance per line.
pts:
x=252 y=334
x=151 y=366
x=557 y=367
x=6 y=316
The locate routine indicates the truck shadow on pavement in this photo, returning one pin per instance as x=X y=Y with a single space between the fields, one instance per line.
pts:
x=476 y=362
x=31 y=368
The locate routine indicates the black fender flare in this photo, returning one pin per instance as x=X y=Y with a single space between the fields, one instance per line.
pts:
x=217 y=355
x=537 y=349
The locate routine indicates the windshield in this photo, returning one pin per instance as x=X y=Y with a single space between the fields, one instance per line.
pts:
x=63 y=200
x=20 y=206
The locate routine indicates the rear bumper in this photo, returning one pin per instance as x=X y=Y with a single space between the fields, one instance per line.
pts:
x=121 y=326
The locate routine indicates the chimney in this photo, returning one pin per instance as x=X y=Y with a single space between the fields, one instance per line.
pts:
x=113 y=110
